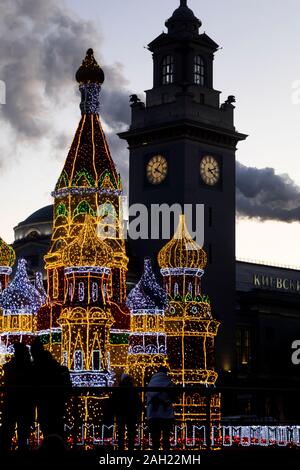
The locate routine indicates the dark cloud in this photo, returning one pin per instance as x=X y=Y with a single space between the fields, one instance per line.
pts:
x=264 y=195
x=42 y=45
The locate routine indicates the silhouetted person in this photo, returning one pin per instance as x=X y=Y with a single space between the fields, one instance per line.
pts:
x=160 y=411
x=52 y=389
x=18 y=404
x=127 y=406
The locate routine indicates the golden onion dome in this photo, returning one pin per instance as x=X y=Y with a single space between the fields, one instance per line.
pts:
x=7 y=254
x=182 y=251
x=87 y=249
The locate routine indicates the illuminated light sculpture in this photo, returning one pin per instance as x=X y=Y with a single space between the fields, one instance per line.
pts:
x=147 y=302
x=189 y=325
x=88 y=185
x=20 y=303
x=86 y=318
x=7 y=260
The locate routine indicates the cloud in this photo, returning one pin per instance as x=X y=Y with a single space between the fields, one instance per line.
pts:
x=42 y=45
x=265 y=195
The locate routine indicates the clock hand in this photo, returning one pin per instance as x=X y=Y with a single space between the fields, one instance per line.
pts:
x=157 y=170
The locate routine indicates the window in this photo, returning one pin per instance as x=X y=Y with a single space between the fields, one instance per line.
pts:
x=71 y=291
x=94 y=291
x=176 y=290
x=81 y=292
x=96 y=359
x=243 y=347
x=168 y=70
x=65 y=358
x=78 y=360
x=199 y=70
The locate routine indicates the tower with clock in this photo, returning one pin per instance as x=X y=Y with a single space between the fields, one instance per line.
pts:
x=182 y=143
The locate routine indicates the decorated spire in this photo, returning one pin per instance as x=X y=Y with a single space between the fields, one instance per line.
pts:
x=87 y=249
x=89 y=166
x=7 y=254
x=182 y=251
x=147 y=294
x=90 y=71
x=21 y=297
x=90 y=77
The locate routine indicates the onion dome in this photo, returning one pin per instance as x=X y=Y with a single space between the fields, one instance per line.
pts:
x=147 y=294
x=90 y=71
x=182 y=251
x=21 y=297
x=7 y=254
x=40 y=286
x=183 y=14
x=87 y=249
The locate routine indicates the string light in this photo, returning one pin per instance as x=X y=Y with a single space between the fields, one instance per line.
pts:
x=7 y=260
x=189 y=326
x=147 y=302
x=20 y=303
x=85 y=320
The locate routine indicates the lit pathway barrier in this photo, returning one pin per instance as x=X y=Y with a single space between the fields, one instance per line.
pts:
x=246 y=436
x=199 y=430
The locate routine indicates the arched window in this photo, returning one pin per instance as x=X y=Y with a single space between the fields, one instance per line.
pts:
x=71 y=291
x=199 y=70
x=65 y=358
x=176 y=290
x=96 y=360
x=78 y=360
x=151 y=323
x=94 y=291
x=190 y=288
x=81 y=292
x=168 y=70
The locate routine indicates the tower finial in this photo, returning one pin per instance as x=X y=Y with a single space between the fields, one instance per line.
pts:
x=183 y=3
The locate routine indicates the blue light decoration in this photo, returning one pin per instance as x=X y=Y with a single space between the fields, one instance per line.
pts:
x=20 y=303
x=147 y=295
x=147 y=302
x=21 y=296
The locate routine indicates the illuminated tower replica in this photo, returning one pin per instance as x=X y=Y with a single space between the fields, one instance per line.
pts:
x=86 y=318
x=189 y=326
x=20 y=302
x=147 y=302
x=7 y=260
x=88 y=186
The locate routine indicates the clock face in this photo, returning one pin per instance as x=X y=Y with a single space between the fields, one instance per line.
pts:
x=210 y=170
x=157 y=169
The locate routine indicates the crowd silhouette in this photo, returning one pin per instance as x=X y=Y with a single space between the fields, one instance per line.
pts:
x=37 y=387
x=34 y=384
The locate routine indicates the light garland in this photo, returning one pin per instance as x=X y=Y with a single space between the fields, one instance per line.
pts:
x=147 y=340
x=21 y=296
x=189 y=326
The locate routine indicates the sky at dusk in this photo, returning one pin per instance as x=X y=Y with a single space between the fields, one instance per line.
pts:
x=42 y=45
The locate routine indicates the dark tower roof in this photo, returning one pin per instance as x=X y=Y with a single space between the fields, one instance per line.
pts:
x=183 y=19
